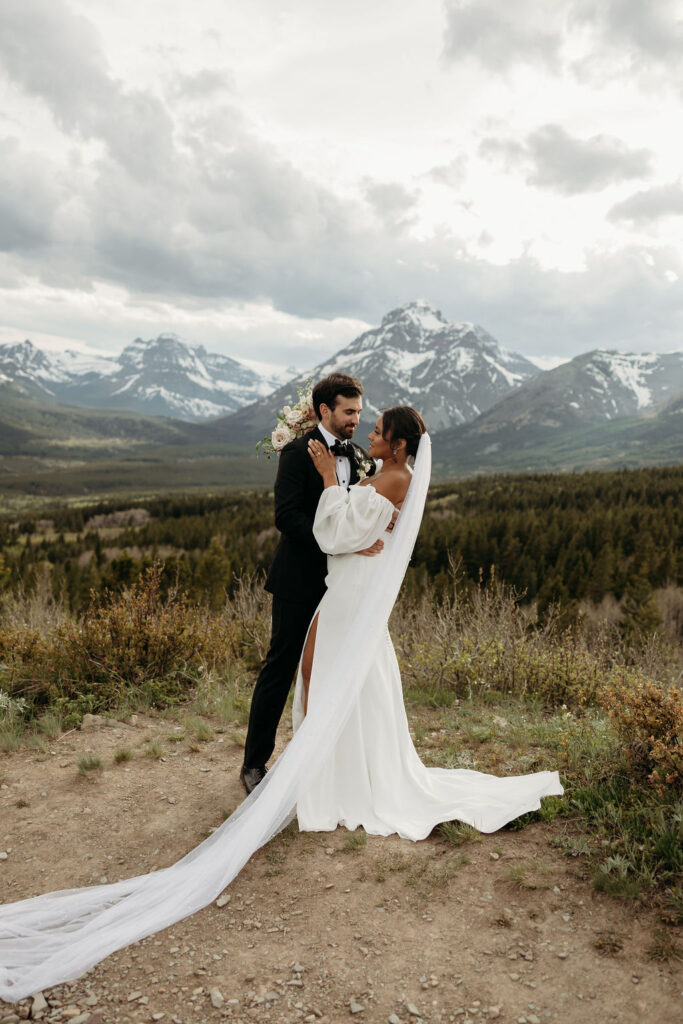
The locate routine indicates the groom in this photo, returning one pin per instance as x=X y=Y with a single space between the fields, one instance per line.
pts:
x=297 y=576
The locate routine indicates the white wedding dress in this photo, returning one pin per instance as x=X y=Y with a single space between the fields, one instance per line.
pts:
x=373 y=776
x=351 y=760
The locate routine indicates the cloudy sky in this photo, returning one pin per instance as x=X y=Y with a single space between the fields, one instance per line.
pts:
x=269 y=177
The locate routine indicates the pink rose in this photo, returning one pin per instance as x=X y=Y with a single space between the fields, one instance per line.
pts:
x=281 y=436
x=294 y=417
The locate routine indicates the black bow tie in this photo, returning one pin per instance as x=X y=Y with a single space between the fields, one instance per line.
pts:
x=342 y=448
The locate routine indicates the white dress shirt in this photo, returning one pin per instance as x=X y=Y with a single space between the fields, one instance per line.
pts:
x=343 y=465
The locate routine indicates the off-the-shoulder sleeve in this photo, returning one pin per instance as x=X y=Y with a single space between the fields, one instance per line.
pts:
x=347 y=521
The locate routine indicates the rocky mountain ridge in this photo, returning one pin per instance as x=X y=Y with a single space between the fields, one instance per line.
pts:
x=163 y=376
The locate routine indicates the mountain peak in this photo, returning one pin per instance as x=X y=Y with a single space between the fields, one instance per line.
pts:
x=419 y=313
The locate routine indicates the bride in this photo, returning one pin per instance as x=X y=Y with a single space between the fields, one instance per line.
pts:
x=351 y=759
x=373 y=776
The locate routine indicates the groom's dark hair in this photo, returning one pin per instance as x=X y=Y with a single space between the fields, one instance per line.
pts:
x=326 y=390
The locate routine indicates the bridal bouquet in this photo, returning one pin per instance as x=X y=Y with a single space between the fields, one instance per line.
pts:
x=292 y=422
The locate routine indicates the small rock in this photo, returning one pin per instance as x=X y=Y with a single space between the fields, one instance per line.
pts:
x=494 y=1011
x=355 y=1007
x=158 y=1016
x=3 y=855
x=39 y=1004
x=270 y=997
x=393 y=1019
x=513 y=977
x=494 y=856
x=297 y=968
x=412 y=1010
x=92 y=1000
x=216 y=998
x=82 y=1018
x=223 y=900
x=133 y=996
x=91 y=722
x=12 y=1019
x=533 y=1019
x=562 y=956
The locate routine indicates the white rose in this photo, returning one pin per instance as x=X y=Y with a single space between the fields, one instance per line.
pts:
x=293 y=417
x=286 y=409
x=281 y=436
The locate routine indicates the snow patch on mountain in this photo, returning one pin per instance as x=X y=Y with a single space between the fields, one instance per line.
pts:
x=632 y=373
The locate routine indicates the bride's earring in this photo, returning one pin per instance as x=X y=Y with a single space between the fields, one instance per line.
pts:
x=393 y=452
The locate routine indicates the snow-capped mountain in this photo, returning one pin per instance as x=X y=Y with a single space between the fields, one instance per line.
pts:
x=42 y=373
x=163 y=376
x=591 y=388
x=451 y=372
x=601 y=405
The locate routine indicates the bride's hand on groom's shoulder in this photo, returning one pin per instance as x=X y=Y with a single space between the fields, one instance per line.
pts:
x=324 y=461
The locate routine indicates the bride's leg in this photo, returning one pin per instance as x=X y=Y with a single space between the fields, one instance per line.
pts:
x=307 y=660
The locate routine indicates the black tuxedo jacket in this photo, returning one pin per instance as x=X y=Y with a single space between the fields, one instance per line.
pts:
x=299 y=566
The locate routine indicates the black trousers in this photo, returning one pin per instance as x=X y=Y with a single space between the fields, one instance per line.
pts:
x=290 y=624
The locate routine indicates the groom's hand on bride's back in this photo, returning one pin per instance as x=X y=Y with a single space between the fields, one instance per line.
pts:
x=378 y=546
x=374 y=549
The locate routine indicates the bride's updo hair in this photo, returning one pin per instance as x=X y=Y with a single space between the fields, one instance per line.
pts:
x=402 y=422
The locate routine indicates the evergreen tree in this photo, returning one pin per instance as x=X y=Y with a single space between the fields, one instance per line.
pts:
x=639 y=613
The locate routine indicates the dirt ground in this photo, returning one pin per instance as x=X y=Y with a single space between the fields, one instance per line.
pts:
x=317 y=927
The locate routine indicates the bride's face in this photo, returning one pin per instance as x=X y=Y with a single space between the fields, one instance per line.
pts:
x=379 y=448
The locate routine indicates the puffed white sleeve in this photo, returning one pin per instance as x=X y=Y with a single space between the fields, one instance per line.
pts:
x=347 y=521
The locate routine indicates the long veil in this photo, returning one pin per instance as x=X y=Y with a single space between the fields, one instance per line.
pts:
x=54 y=938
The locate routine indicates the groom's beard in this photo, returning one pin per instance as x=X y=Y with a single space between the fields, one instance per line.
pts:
x=344 y=431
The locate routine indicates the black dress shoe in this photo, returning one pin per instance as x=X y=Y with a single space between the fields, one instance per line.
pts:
x=250 y=777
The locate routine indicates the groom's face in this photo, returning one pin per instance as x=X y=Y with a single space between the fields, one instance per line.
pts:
x=343 y=419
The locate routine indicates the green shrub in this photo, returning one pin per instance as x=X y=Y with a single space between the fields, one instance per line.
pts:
x=649 y=721
x=482 y=643
x=136 y=644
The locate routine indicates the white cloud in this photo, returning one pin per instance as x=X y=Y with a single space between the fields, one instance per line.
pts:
x=599 y=37
x=649 y=205
x=502 y=35
x=556 y=160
